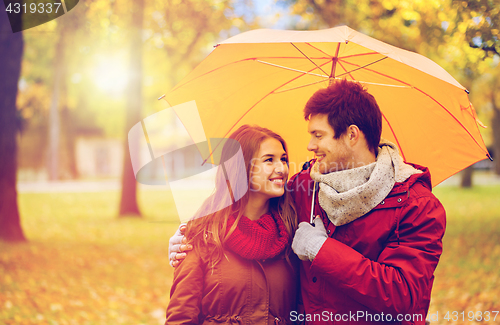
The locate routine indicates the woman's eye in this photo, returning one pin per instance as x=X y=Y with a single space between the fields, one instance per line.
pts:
x=269 y=160
x=284 y=159
x=318 y=136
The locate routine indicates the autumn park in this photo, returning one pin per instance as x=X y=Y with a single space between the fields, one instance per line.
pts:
x=84 y=241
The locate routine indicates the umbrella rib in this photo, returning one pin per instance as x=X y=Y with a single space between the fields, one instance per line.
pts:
x=269 y=93
x=340 y=63
x=395 y=137
x=359 y=54
x=379 y=84
x=381 y=74
x=368 y=82
x=235 y=62
x=362 y=67
x=308 y=58
x=344 y=57
x=319 y=50
x=360 y=81
x=337 y=78
x=298 y=87
x=383 y=115
x=410 y=86
x=447 y=111
x=287 y=68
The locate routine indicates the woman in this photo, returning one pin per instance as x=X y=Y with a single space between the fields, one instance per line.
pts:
x=241 y=269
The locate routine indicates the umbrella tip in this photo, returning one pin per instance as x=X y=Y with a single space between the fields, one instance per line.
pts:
x=162 y=96
x=489 y=157
x=467 y=91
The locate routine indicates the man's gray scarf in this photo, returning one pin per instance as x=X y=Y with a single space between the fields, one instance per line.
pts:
x=349 y=194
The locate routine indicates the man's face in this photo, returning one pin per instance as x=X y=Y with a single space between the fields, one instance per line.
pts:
x=333 y=154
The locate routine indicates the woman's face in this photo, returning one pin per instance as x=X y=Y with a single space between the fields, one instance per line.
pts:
x=269 y=170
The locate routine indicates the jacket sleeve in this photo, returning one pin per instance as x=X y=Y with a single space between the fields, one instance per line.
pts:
x=187 y=291
x=400 y=280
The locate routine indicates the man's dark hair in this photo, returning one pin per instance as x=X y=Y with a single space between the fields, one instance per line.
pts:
x=347 y=103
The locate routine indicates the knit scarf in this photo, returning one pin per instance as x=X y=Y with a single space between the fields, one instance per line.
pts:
x=258 y=239
x=349 y=194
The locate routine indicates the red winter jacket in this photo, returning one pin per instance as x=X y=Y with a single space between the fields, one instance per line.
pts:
x=378 y=267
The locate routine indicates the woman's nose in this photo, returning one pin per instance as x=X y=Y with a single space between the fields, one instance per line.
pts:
x=281 y=167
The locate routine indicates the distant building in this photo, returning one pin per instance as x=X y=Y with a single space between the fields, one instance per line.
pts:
x=98 y=157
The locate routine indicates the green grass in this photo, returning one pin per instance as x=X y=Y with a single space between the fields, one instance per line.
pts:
x=83 y=265
x=92 y=217
x=467 y=277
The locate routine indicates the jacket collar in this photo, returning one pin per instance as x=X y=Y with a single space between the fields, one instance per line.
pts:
x=400 y=193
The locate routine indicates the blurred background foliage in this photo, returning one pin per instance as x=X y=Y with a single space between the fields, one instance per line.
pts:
x=90 y=46
x=74 y=109
x=93 y=43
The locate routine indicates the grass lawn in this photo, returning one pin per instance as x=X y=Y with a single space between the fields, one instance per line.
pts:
x=83 y=265
x=468 y=275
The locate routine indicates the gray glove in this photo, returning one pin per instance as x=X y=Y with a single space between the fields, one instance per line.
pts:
x=308 y=239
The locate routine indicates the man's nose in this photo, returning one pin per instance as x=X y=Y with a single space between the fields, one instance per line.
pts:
x=312 y=145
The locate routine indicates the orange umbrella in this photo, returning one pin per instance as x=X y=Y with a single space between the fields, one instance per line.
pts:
x=265 y=77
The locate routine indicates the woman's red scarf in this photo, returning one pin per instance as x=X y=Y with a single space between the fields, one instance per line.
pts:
x=258 y=239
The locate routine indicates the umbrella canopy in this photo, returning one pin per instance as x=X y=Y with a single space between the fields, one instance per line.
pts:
x=265 y=77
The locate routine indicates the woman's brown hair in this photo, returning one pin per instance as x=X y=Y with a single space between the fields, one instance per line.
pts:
x=211 y=228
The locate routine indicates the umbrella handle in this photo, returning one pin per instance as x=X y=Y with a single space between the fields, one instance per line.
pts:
x=315 y=187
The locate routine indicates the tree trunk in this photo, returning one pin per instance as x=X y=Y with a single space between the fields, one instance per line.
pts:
x=54 y=116
x=128 y=202
x=466 y=174
x=495 y=126
x=69 y=140
x=67 y=143
x=11 y=53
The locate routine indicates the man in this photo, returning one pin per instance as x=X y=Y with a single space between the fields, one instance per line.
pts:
x=370 y=254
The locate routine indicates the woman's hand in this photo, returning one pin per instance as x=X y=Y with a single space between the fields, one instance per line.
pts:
x=177 y=246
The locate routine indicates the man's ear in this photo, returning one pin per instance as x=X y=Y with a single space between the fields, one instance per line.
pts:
x=353 y=134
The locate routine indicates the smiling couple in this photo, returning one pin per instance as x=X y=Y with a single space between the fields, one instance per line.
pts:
x=371 y=249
